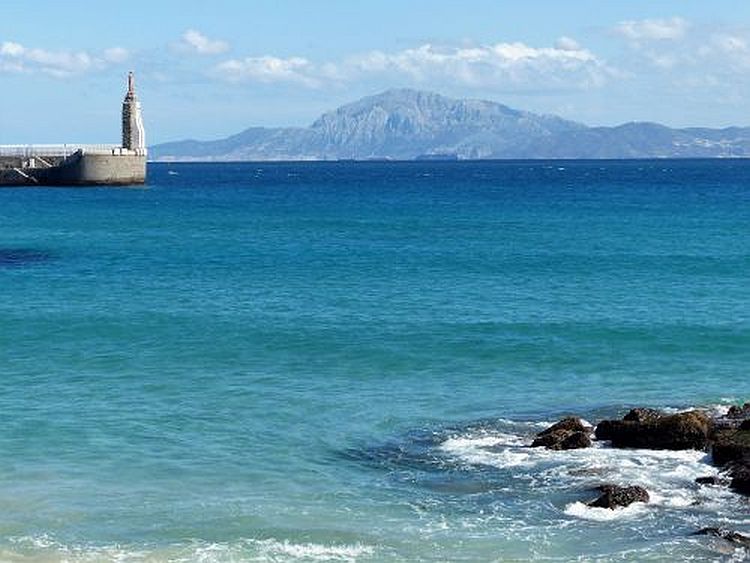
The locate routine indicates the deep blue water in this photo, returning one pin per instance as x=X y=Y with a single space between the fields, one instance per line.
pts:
x=343 y=361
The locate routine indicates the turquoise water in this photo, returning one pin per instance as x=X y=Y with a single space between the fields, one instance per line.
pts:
x=343 y=361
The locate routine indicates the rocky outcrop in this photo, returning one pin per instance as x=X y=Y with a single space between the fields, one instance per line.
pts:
x=731 y=446
x=732 y=537
x=643 y=415
x=649 y=430
x=737 y=417
x=741 y=412
x=568 y=434
x=739 y=473
x=731 y=450
x=614 y=496
x=728 y=437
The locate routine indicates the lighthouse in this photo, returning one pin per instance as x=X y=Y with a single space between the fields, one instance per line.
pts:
x=133 y=135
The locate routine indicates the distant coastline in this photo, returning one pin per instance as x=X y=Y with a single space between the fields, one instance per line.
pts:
x=407 y=125
x=450 y=160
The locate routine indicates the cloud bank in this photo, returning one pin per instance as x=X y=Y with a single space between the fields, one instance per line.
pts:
x=517 y=64
x=18 y=58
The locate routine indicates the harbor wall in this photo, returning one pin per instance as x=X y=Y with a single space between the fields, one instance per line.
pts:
x=110 y=169
x=80 y=169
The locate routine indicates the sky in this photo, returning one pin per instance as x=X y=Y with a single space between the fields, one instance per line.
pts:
x=205 y=70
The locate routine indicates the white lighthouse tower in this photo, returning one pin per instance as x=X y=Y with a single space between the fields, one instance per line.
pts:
x=133 y=134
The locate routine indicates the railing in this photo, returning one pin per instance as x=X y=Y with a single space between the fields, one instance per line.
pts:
x=58 y=150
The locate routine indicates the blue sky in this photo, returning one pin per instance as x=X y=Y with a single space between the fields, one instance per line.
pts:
x=209 y=69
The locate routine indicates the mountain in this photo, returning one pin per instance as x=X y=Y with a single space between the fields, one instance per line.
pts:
x=410 y=124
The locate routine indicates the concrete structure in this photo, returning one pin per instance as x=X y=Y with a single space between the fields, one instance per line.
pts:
x=133 y=134
x=77 y=165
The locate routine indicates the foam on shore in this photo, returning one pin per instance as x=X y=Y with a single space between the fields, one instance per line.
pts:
x=668 y=476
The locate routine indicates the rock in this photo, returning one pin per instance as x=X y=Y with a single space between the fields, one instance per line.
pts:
x=570 y=423
x=739 y=412
x=576 y=440
x=728 y=535
x=643 y=415
x=740 y=475
x=613 y=496
x=606 y=428
x=682 y=431
x=568 y=434
x=731 y=449
x=712 y=480
x=730 y=446
x=736 y=418
x=563 y=440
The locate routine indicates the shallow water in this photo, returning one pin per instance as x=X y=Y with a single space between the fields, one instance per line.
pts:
x=344 y=361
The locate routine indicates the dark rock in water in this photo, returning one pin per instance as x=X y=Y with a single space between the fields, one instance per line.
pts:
x=740 y=475
x=731 y=449
x=739 y=412
x=606 y=428
x=731 y=446
x=682 y=431
x=563 y=440
x=568 y=434
x=728 y=535
x=643 y=415
x=576 y=440
x=712 y=480
x=613 y=496
x=570 y=423
x=736 y=418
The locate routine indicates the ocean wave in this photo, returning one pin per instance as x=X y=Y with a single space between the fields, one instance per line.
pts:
x=586 y=512
x=312 y=551
x=44 y=548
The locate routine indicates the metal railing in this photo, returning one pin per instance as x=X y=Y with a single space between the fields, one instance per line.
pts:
x=66 y=149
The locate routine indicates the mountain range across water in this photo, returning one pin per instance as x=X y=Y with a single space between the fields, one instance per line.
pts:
x=405 y=124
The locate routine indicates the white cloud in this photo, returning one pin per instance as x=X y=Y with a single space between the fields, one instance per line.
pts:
x=567 y=44
x=514 y=65
x=10 y=49
x=653 y=30
x=116 y=55
x=269 y=69
x=15 y=57
x=196 y=42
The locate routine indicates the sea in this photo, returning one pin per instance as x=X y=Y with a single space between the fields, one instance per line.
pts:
x=347 y=361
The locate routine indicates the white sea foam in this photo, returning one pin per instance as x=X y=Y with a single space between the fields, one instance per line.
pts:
x=498 y=449
x=582 y=510
x=714 y=410
x=312 y=551
x=531 y=423
x=44 y=548
x=668 y=476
